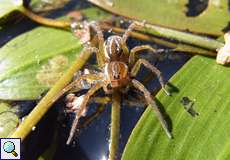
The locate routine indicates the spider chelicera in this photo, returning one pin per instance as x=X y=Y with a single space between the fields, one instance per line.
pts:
x=118 y=68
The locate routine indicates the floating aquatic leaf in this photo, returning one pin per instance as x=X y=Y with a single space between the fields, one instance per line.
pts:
x=8 y=6
x=47 y=5
x=172 y=13
x=8 y=119
x=203 y=137
x=29 y=64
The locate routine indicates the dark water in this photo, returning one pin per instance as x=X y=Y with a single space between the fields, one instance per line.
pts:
x=93 y=141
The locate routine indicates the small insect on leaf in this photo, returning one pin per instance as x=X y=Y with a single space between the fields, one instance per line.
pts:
x=188 y=106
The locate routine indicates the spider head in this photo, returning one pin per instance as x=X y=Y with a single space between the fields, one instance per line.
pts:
x=116 y=74
x=113 y=48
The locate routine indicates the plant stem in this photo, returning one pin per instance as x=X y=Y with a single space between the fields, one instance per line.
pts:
x=45 y=21
x=184 y=37
x=192 y=39
x=115 y=126
x=42 y=107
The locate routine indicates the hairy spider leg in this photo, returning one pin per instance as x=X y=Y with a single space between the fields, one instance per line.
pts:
x=137 y=49
x=137 y=66
x=89 y=119
x=126 y=35
x=101 y=55
x=138 y=85
x=132 y=27
x=82 y=107
x=75 y=83
x=86 y=50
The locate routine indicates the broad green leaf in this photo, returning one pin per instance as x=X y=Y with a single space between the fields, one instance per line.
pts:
x=171 y=13
x=205 y=136
x=43 y=6
x=95 y=14
x=8 y=119
x=34 y=61
x=8 y=6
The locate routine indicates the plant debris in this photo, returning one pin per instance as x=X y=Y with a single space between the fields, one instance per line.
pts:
x=223 y=55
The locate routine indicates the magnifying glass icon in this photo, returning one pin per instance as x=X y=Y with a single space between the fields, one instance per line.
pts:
x=9 y=147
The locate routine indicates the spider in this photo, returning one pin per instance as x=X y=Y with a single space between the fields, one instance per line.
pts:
x=118 y=68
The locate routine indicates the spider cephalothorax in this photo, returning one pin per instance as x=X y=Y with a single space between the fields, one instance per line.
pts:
x=119 y=68
x=116 y=74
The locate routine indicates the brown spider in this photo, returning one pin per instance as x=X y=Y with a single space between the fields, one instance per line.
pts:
x=118 y=68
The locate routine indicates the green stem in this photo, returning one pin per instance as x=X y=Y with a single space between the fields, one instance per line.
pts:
x=115 y=126
x=194 y=50
x=188 y=38
x=42 y=107
x=45 y=21
x=184 y=37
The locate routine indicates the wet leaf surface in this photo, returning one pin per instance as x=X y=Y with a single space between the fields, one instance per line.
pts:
x=201 y=137
x=8 y=119
x=172 y=13
x=33 y=61
x=47 y=5
x=8 y=6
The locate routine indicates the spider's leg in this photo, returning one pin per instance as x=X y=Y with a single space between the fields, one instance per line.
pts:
x=82 y=108
x=101 y=101
x=100 y=109
x=137 y=66
x=127 y=33
x=86 y=50
x=75 y=83
x=101 y=55
x=132 y=27
x=137 y=49
x=151 y=102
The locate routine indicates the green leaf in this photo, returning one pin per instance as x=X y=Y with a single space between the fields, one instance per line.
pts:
x=44 y=6
x=171 y=13
x=8 y=6
x=95 y=14
x=29 y=63
x=203 y=137
x=34 y=61
x=8 y=119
